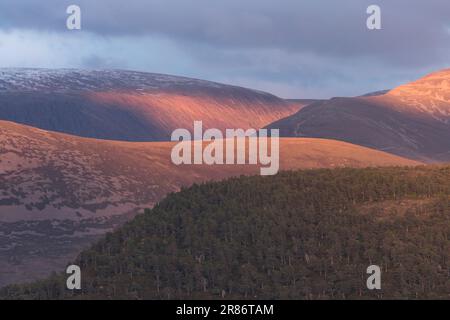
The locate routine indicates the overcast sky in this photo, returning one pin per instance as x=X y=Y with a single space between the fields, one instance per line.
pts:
x=292 y=48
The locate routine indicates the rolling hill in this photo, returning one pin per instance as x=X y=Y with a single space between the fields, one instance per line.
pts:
x=59 y=192
x=411 y=121
x=298 y=235
x=130 y=106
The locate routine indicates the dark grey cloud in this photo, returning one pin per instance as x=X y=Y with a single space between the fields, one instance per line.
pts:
x=413 y=30
x=312 y=44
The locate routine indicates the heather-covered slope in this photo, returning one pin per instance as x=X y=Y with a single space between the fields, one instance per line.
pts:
x=128 y=105
x=50 y=175
x=411 y=121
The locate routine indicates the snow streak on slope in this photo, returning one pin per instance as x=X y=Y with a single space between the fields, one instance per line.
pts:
x=63 y=80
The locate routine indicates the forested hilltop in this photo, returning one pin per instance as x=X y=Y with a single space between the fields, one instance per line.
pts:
x=298 y=235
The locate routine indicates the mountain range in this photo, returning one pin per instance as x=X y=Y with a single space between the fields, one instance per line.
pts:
x=82 y=152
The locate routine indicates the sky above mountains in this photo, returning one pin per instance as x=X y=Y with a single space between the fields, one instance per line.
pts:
x=292 y=48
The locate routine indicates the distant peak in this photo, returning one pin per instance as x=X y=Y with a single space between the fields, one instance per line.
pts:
x=430 y=94
x=435 y=86
x=376 y=93
x=439 y=73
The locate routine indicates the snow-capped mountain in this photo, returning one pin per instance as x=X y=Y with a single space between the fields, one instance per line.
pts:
x=128 y=105
x=66 y=80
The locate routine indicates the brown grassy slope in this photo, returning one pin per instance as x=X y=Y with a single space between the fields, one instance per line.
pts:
x=54 y=173
x=163 y=112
